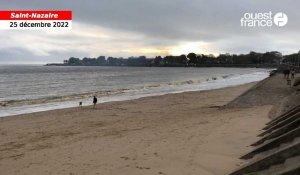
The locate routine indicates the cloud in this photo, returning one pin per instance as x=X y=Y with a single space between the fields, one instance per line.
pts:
x=135 y=27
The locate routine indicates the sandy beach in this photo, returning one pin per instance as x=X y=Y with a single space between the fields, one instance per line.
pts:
x=176 y=134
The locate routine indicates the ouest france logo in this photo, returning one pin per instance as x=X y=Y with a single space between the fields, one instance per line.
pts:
x=264 y=19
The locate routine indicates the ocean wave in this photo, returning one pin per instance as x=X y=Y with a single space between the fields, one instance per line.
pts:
x=14 y=107
x=108 y=93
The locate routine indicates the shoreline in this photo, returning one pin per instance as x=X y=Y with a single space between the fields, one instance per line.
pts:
x=128 y=99
x=152 y=91
x=170 y=134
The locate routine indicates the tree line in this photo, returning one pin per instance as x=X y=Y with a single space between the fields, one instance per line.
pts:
x=272 y=58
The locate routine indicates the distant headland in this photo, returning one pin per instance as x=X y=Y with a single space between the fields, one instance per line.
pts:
x=253 y=59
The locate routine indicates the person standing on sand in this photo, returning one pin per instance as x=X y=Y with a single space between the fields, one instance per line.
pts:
x=95 y=101
x=286 y=72
x=293 y=73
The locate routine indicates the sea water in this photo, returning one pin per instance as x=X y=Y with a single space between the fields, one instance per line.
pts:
x=28 y=88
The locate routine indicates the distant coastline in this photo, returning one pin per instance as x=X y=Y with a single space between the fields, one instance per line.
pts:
x=253 y=59
x=204 y=65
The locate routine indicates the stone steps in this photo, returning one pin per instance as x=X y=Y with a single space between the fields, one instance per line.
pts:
x=289 y=167
x=282 y=123
x=282 y=117
x=263 y=163
x=287 y=137
x=278 y=151
x=281 y=146
x=278 y=132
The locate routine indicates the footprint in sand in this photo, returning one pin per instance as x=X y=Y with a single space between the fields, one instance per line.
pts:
x=124 y=157
x=141 y=168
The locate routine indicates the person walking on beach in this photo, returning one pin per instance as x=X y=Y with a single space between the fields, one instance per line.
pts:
x=293 y=73
x=286 y=73
x=95 y=101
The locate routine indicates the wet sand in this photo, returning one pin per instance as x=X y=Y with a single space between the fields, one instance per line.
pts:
x=175 y=134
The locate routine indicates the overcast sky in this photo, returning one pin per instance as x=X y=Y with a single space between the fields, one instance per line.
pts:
x=125 y=28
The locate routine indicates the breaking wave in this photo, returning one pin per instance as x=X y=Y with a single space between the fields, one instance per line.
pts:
x=107 y=93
